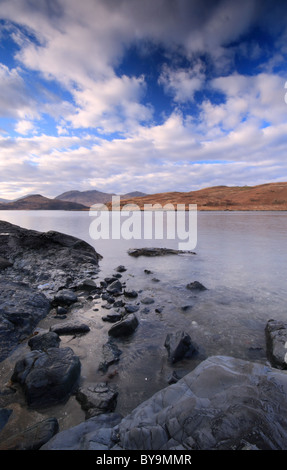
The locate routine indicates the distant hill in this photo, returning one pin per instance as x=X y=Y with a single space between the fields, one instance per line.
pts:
x=270 y=196
x=88 y=198
x=38 y=202
x=4 y=201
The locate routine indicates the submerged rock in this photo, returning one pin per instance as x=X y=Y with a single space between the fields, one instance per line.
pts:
x=111 y=355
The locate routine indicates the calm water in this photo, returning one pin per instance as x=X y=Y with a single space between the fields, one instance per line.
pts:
x=241 y=258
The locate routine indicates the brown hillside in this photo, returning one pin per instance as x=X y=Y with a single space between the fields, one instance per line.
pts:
x=270 y=197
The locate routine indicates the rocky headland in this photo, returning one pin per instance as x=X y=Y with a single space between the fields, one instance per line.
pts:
x=224 y=403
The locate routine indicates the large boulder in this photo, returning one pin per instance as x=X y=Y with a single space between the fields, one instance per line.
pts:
x=223 y=404
x=47 y=377
x=48 y=261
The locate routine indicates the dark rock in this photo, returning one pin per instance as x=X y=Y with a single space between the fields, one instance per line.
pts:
x=48 y=261
x=65 y=298
x=115 y=287
x=196 y=286
x=112 y=317
x=47 y=377
x=4 y=263
x=33 y=437
x=70 y=328
x=97 y=399
x=125 y=327
x=119 y=303
x=276 y=341
x=121 y=269
x=111 y=355
x=131 y=308
x=147 y=271
x=87 y=285
x=61 y=311
x=156 y=252
x=110 y=280
x=97 y=433
x=186 y=307
x=4 y=416
x=223 y=404
x=147 y=301
x=44 y=341
x=132 y=294
x=179 y=346
x=21 y=309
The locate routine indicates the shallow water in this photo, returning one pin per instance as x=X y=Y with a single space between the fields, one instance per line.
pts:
x=241 y=258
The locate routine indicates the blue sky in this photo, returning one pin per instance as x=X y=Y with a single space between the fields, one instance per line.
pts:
x=154 y=95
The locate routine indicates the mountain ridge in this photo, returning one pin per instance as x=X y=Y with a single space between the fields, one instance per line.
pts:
x=267 y=196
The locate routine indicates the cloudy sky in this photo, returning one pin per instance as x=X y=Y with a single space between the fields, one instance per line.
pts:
x=147 y=95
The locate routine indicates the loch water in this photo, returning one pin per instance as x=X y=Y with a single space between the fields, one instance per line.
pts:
x=241 y=258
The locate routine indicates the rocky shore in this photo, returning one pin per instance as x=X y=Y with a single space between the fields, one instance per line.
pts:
x=224 y=403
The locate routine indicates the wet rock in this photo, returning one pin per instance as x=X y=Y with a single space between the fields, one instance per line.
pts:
x=132 y=294
x=61 y=311
x=121 y=269
x=276 y=340
x=97 y=399
x=65 y=298
x=44 y=341
x=97 y=433
x=4 y=263
x=196 y=286
x=147 y=300
x=4 y=416
x=111 y=355
x=112 y=317
x=47 y=377
x=131 y=308
x=21 y=309
x=70 y=328
x=33 y=437
x=115 y=288
x=125 y=327
x=223 y=404
x=156 y=252
x=179 y=346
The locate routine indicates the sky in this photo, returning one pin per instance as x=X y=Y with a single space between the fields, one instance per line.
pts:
x=141 y=95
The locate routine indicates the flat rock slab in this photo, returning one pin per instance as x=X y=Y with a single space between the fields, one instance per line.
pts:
x=33 y=437
x=223 y=404
x=70 y=328
x=157 y=252
x=47 y=377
